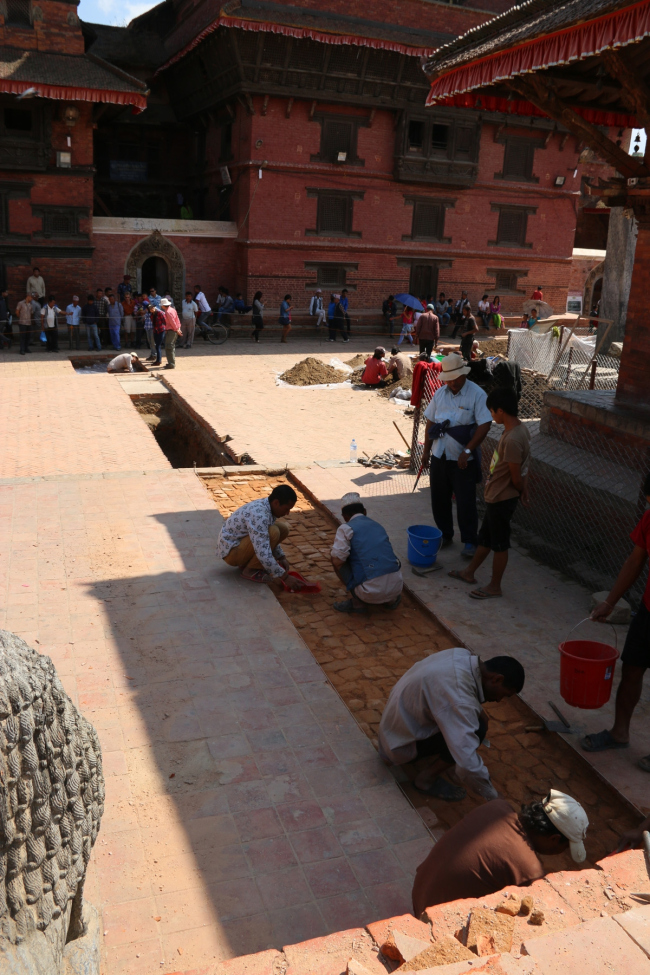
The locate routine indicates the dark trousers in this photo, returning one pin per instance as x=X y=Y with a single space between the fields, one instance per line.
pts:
x=159 y=339
x=347 y=323
x=73 y=336
x=102 y=328
x=447 y=479
x=335 y=327
x=437 y=746
x=466 y=346
x=426 y=345
x=24 y=331
x=52 y=339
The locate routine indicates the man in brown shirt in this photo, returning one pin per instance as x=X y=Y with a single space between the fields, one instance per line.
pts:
x=495 y=847
x=507 y=482
x=427 y=330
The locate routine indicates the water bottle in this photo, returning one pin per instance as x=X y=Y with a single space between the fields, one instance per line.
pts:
x=353 y=452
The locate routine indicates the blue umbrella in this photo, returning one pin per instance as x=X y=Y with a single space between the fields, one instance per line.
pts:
x=410 y=302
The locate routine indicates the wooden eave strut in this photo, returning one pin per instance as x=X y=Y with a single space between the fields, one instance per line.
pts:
x=541 y=93
x=634 y=90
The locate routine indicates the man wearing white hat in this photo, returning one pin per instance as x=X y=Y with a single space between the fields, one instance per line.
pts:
x=316 y=309
x=457 y=423
x=172 y=331
x=495 y=847
x=364 y=560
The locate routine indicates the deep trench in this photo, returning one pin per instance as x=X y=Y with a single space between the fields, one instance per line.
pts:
x=183 y=441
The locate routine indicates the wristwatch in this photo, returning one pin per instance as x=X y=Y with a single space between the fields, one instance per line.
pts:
x=466 y=451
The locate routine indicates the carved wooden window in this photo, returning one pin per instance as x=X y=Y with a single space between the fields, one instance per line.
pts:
x=440 y=138
x=464 y=137
x=331 y=276
x=18 y=120
x=334 y=214
x=428 y=221
x=518 y=160
x=19 y=13
x=338 y=142
x=416 y=136
x=505 y=281
x=423 y=280
x=59 y=221
x=512 y=225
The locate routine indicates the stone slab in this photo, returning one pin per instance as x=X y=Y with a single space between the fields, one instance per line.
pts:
x=636 y=924
x=600 y=944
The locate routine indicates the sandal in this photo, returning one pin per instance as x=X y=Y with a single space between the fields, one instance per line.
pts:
x=601 y=741
x=644 y=763
x=482 y=594
x=455 y=574
x=259 y=575
x=347 y=606
x=442 y=789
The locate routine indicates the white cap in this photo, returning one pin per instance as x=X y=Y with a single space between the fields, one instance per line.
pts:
x=569 y=817
x=352 y=497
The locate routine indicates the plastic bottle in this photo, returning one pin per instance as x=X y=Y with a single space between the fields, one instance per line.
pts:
x=353 y=452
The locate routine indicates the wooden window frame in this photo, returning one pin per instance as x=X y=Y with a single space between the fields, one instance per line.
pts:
x=511 y=142
x=48 y=214
x=323 y=194
x=324 y=155
x=317 y=267
x=27 y=6
x=418 y=201
x=454 y=123
x=501 y=208
x=499 y=288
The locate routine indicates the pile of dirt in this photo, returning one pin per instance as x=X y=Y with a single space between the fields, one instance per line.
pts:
x=391 y=386
x=493 y=346
x=313 y=372
x=358 y=360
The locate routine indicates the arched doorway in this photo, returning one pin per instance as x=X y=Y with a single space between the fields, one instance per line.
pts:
x=156 y=261
x=593 y=288
x=155 y=274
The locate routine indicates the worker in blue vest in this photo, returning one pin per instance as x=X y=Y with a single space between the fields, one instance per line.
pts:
x=364 y=560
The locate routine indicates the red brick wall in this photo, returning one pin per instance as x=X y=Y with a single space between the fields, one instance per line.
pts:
x=634 y=376
x=55 y=28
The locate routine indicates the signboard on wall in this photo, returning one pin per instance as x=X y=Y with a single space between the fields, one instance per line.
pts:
x=128 y=172
x=574 y=303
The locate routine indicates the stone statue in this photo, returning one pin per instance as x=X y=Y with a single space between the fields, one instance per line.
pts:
x=51 y=803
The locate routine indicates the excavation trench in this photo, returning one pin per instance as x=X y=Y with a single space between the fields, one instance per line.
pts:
x=363 y=657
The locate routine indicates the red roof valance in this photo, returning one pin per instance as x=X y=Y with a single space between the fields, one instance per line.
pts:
x=70 y=94
x=482 y=101
x=300 y=32
x=576 y=43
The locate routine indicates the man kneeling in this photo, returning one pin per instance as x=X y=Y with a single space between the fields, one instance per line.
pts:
x=364 y=560
x=250 y=538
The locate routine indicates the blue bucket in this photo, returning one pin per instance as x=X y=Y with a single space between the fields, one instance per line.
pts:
x=423 y=544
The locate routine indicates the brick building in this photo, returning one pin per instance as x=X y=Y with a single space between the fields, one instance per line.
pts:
x=285 y=147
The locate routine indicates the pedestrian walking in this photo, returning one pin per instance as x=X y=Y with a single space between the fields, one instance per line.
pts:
x=204 y=309
x=89 y=319
x=258 y=315
x=24 y=314
x=73 y=320
x=172 y=331
x=427 y=330
x=468 y=329
x=115 y=316
x=285 y=317
x=407 y=325
x=316 y=309
x=50 y=323
x=345 y=304
x=189 y=311
x=457 y=423
x=389 y=311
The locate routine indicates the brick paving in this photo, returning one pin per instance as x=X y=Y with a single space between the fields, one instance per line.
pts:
x=364 y=658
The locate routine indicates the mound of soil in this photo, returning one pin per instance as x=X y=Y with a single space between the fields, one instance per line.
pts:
x=358 y=360
x=405 y=383
x=313 y=372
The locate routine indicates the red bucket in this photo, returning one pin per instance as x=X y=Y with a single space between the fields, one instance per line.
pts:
x=587 y=672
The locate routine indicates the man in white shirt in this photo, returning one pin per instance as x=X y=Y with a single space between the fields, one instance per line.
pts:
x=204 y=308
x=316 y=307
x=126 y=362
x=484 y=311
x=364 y=560
x=457 y=423
x=435 y=713
x=250 y=538
x=189 y=311
x=36 y=286
x=73 y=319
x=50 y=324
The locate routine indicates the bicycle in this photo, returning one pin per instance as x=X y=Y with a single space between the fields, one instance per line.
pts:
x=214 y=331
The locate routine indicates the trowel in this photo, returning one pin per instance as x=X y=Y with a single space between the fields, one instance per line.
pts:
x=563 y=726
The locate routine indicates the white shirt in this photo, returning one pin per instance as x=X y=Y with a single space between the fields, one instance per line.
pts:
x=73 y=314
x=383 y=589
x=484 y=306
x=121 y=363
x=189 y=310
x=442 y=693
x=253 y=519
x=202 y=302
x=36 y=284
x=467 y=406
x=49 y=315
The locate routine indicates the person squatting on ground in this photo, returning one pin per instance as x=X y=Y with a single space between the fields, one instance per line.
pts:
x=493 y=847
x=635 y=658
x=507 y=483
x=250 y=538
x=364 y=560
x=399 y=365
x=435 y=713
x=457 y=423
x=375 y=371
x=427 y=330
x=126 y=362
x=172 y=331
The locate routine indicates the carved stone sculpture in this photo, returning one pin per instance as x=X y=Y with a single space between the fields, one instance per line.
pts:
x=51 y=803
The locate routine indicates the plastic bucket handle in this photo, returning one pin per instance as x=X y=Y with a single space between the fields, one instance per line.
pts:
x=423 y=555
x=589 y=619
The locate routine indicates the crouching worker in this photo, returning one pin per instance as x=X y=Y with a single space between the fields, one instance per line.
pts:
x=495 y=847
x=434 y=713
x=126 y=362
x=364 y=560
x=250 y=538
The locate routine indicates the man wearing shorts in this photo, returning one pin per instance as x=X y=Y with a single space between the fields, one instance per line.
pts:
x=636 y=652
x=507 y=482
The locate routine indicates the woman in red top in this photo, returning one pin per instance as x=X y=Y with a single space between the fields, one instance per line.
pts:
x=636 y=652
x=376 y=371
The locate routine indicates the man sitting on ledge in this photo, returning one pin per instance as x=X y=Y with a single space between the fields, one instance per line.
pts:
x=494 y=847
x=250 y=538
x=434 y=713
x=364 y=560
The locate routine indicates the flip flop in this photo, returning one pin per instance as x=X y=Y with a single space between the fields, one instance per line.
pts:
x=258 y=576
x=455 y=574
x=347 y=606
x=441 y=789
x=644 y=763
x=601 y=741
x=482 y=594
